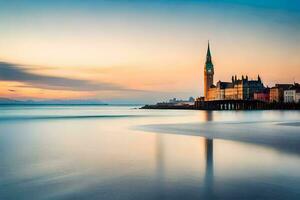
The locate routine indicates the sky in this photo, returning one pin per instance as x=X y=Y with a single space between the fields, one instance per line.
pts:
x=142 y=51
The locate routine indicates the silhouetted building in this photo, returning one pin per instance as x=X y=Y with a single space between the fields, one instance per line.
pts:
x=277 y=92
x=237 y=89
x=178 y=102
x=189 y=101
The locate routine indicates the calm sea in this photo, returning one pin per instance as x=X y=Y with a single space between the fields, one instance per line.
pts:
x=120 y=152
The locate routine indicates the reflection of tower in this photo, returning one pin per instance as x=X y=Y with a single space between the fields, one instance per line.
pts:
x=209 y=175
x=159 y=155
x=208 y=115
x=209 y=161
x=208 y=73
x=160 y=166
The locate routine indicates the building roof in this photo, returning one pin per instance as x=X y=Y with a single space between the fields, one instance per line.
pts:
x=264 y=91
x=283 y=86
x=296 y=87
x=224 y=85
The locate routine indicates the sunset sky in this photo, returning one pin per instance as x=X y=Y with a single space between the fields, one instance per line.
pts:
x=142 y=51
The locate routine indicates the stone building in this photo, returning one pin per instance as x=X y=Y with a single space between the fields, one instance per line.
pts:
x=237 y=89
x=263 y=96
x=208 y=76
x=292 y=95
x=277 y=92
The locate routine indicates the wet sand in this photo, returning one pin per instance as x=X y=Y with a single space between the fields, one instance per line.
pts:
x=280 y=136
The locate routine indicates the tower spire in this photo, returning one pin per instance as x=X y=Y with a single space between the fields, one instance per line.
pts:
x=208 y=55
x=208 y=73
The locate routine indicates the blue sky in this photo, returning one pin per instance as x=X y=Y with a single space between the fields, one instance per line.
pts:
x=145 y=50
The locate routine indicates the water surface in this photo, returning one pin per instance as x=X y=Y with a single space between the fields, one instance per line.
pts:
x=118 y=152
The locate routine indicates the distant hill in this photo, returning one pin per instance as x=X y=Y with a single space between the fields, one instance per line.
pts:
x=6 y=101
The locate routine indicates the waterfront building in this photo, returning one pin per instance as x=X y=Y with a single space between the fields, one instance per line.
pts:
x=175 y=101
x=262 y=96
x=208 y=76
x=292 y=95
x=277 y=92
x=237 y=89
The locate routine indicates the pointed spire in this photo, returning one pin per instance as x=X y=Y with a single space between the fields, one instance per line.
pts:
x=208 y=50
x=208 y=55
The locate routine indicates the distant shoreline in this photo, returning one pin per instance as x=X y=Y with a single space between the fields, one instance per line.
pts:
x=266 y=106
x=48 y=104
x=42 y=104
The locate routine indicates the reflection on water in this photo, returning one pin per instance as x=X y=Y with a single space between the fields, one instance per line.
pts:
x=208 y=163
x=209 y=157
x=208 y=115
x=209 y=173
x=107 y=158
x=160 y=165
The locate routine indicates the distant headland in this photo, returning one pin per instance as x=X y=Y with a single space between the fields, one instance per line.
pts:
x=6 y=101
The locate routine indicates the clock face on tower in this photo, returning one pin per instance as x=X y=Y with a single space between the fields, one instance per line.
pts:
x=209 y=70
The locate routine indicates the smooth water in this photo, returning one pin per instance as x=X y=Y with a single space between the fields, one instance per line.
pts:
x=119 y=152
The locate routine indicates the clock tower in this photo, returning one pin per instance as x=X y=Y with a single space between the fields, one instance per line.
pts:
x=208 y=73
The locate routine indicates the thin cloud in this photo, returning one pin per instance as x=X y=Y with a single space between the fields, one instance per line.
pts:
x=13 y=72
